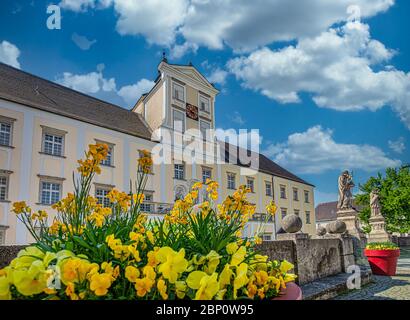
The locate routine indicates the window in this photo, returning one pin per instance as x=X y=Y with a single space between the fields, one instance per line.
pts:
x=231 y=181
x=295 y=194
x=206 y=174
x=283 y=192
x=101 y=195
x=3 y=235
x=266 y=237
x=50 y=192
x=307 y=217
x=147 y=205
x=108 y=161
x=205 y=127
x=178 y=92
x=204 y=104
x=250 y=184
x=283 y=212
x=179 y=171
x=5 y=133
x=297 y=212
x=268 y=187
x=179 y=121
x=4 y=183
x=53 y=144
x=306 y=196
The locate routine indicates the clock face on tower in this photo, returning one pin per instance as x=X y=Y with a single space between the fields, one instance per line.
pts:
x=192 y=111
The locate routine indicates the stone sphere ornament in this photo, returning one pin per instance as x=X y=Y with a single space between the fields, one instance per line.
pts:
x=321 y=231
x=336 y=227
x=292 y=223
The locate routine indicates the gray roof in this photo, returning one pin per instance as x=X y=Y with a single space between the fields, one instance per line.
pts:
x=27 y=89
x=266 y=165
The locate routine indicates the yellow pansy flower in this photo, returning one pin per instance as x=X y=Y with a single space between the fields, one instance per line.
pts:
x=131 y=273
x=231 y=248
x=207 y=286
x=173 y=263
x=285 y=266
x=100 y=283
x=162 y=289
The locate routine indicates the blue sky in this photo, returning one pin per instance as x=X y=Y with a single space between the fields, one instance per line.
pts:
x=327 y=86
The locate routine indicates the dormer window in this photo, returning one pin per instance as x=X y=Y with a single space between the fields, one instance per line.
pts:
x=204 y=104
x=178 y=92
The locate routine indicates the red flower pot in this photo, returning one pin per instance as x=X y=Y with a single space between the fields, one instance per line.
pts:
x=292 y=292
x=383 y=262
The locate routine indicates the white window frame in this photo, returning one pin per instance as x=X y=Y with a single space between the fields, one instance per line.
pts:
x=283 y=212
x=51 y=182
x=174 y=85
x=307 y=214
x=174 y=111
x=205 y=136
x=206 y=169
x=9 y=123
x=178 y=170
x=104 y=200
x=147 y=206
x=296 y=212
x=233 y=175
x=266 y=237
x=54 y=133
x=203 y=97
x=5 y=186
x=270 y=188
x=295 y=193
x=282 y=188
x=253 y=184
x=306 y=192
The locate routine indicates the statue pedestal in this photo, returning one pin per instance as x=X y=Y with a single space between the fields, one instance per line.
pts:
x=349 y=217
x=378 y=233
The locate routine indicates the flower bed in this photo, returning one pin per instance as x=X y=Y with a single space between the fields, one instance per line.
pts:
x=116 y=252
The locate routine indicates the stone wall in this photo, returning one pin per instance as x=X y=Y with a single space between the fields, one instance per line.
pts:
x=314 y=258
x=403 y=241
x=8 y=253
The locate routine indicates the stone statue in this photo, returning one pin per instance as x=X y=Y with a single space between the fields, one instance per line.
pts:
x=346 y=184
x=374 y=203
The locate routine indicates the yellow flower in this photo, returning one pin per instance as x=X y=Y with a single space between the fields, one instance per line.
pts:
x=162 y=289
x=285 y=266
x=180 y=288
x=271 y=208
x=20 y=207
x=225 y=276
x=231 y=248
x=144 y=285
x=257 y=240
x=213 y=262
x=5 y=293
x=132 y=273
x=150 y=236
x=241 y=279
x=70 y=291
x=238 y=256
x=100 y=283
x=172 y=263
x=207 y=286
x=197 y=185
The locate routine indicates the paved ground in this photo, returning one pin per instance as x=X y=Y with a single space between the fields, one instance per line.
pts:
x=386 y=288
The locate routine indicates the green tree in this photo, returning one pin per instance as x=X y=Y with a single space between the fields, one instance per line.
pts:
x=394 y=189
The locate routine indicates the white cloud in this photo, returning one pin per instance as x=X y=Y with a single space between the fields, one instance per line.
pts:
x=217 y=76
x=156 y=20
x=337 y=67
x=84 y=5
x=241 y=24
x=397 y=145
x=131 y=93
x=9 y=54
x=237 y=118
x=179 y=50
x=95 y=83
x=82 y=42
x=315 y=151
x=245 y=25
x=92 y=82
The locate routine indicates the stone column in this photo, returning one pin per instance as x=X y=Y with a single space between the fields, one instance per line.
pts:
x=378 y=232
x=349 y=217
